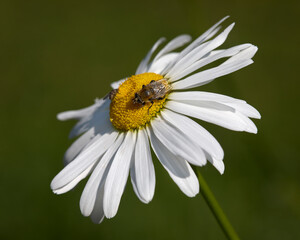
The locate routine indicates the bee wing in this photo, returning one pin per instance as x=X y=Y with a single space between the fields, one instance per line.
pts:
x=160 y=88
x=163 y=80
x=168 y=88
x=166 y=85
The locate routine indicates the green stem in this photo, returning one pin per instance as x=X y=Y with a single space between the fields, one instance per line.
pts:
x=215 y=208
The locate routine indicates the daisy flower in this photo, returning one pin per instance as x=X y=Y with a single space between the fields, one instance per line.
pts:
x=152 y=108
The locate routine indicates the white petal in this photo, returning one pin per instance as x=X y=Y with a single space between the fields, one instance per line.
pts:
x=84 y=160
x=195 y=132
x=98 y=119
x=202 y=96
x=218 y=164
x=74 y=182
x=237 y=104
x=207 y=76
x=179 y=170
x=177 y=142
x=248 y=53
x=250 y=126
x=77 y=146
x=144 y=63
x=77 y=114
x=209 y=58
x=142 y=169
x=224 y=118
x=199 y=52
x=159 y=65
x=173 y=44
x=205 y=36
x=133 y=181
x=98 y=178
x=117 y=176
x=208 y=104
x=116 y=85
x=245 y=109
x=97 y=214
x=89 y=143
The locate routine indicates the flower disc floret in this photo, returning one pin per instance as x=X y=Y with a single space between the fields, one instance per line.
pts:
x=124 y=113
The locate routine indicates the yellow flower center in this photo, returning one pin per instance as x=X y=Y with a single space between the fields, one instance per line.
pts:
x=125 y=114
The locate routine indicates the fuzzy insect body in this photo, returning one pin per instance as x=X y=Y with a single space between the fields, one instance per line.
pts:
x=155 y=90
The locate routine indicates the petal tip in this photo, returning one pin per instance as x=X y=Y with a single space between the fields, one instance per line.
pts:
x=252 y=130
x=97 y=220
x=61 y=116
x=109 y=214
x=194 y=194
x=258 y=116
x=52 y=185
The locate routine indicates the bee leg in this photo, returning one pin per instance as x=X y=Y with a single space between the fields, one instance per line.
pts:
x=161 y=98
x=143 y=86
x=151 y=105
x=111 y=94
x=152 y=81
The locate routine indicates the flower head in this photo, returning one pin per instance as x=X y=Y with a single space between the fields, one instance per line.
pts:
x=149 y=109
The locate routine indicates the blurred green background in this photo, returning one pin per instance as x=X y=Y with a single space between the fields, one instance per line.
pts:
x=61 y=55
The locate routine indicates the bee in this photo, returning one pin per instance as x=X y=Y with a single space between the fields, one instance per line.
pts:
x=155 y=90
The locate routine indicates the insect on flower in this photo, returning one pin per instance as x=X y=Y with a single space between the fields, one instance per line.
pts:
x=155 y=90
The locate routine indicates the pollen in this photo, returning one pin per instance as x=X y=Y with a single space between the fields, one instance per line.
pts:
x=124 y=113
